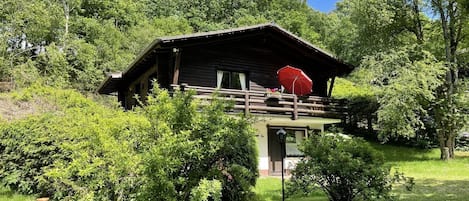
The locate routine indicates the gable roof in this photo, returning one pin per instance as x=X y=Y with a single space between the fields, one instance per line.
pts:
x=167 y=43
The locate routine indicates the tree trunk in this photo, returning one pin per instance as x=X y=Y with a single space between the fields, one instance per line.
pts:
x=447 y=144
x=450 y=17
x=67 y=19
x=417 y=21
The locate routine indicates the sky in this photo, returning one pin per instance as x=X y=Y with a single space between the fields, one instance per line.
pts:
x=323 y=5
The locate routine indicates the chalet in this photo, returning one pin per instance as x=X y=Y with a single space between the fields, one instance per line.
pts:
x=241 y=64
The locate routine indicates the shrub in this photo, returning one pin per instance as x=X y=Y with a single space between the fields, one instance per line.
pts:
x=192 y=142
x=207 y=190
x=171 y=149
x=81 y=151
x=25 y=150
x=345 y=169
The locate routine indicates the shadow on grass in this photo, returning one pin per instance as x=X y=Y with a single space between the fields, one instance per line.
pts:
x=435 y=190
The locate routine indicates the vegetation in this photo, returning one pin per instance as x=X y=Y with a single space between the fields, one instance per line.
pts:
x=411 y=58
x=435 y=180
x=189 y=143
x=84 y=151
x=8 y=195
x=81 y=151
x=74 y=44
x=345 y=169
x=380 y=29
x=405 y=81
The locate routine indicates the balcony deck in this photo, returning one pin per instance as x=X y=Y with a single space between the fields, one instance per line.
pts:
x=262 y=103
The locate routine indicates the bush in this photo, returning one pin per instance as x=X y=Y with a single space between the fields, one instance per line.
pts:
x=193 y=142
x=207 y=190
x=25 y=151
x=80 y=151
x=462 y=141
x=345 y=169
x=171 y=149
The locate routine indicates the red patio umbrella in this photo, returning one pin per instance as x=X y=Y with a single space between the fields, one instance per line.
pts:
x=295 y=80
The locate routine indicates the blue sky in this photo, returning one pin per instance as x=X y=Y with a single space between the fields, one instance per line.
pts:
x=322 y=5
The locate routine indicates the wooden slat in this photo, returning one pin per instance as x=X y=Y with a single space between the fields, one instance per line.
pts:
x=255 y=102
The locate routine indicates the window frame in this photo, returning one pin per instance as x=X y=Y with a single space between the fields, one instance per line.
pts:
x=219 y=83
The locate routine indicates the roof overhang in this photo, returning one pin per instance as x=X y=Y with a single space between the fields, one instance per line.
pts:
x=111 y=83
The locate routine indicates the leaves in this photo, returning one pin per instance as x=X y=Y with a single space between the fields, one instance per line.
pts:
x=189 y=142
x=406 y=81
x=344 y=168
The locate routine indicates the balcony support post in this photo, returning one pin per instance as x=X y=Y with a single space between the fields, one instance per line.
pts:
x=295 y=107
x=246 y=103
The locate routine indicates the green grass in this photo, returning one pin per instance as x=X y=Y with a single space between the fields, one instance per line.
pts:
x=270 y=189
x=7 y=195
x=435 y=180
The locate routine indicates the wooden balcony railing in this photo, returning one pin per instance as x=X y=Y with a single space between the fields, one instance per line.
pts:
x=260 y=102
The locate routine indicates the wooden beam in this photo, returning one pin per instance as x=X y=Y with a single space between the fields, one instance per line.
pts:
x=246 y=103
x=177 y=63
x=295 y=107
x=331 y=87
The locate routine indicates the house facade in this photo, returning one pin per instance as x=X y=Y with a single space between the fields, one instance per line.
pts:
x=241 y=65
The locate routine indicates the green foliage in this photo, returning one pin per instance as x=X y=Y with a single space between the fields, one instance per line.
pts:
x=344 y=168
x=84 y=151
x=207 y=190
x=190 y=142
x=81 y=151
x=362 y=105
x=76 y=43
x=344 y=88
x=406 y=81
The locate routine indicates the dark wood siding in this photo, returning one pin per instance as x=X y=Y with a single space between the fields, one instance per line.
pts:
x=259 y=59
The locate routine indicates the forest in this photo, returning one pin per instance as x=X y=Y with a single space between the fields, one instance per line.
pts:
x=411 y=60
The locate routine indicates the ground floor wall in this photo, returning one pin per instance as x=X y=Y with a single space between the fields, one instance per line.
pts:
x=269 y=166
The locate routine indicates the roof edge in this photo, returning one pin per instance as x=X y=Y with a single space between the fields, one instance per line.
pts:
x=117 y=76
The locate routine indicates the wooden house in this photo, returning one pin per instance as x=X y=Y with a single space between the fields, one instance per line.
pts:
x=241 y=64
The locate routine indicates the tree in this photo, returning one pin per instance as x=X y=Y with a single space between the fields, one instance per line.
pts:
x=383 y=25
x=453 y=21
x=366 y=27
x=406 y=81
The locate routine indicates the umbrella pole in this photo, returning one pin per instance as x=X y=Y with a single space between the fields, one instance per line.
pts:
x=293 y=91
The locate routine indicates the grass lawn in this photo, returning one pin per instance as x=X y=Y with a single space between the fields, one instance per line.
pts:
x=7 y=195
x=435 y=180
x=270 y=189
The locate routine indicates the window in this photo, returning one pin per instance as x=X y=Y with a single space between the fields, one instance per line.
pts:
x=292 y=140
x=231 y=80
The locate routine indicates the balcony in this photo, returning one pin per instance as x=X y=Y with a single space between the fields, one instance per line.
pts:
x=263 y=103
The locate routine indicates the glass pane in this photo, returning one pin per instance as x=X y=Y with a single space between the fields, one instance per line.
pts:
x=293 y=139
x=235 y=84
x=225 y=82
